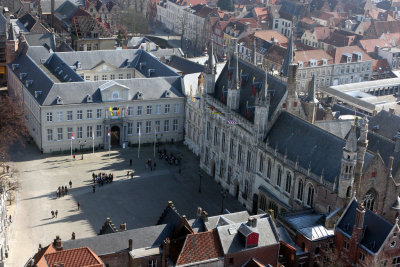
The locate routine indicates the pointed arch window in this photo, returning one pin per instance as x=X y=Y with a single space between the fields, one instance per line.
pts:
x=288 y=182
x=310 y=195
x=300 y=190
x=269 y=168
x=279 y=178
x=261 y=166
x=369 y=200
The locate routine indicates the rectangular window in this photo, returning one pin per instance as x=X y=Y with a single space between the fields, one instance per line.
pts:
x=98 y=113
x=59 y=134
x=175 y=125
x=89 y=114
x=166 y=108
x=166 y=125
x=148 y=110
x=148 y=127
x=89 y=131
x=239 y=154
x=98 y=131
x=130 y=111
x=49 y=134
x=139 y=110
x=69 y=115
x=104 y=77
x=96 y=77
x=87 y=78
x=59 y=116
x=157 y=125
x=176 y=108
x=396 y=261
x=120 y=76
x=79 y=115
x=346 y=245
x=69 y=133
x=49 y=116
x=139 y=127
x=248 y=161
x=130 y=128
x=231 y=149
x=362 y=256
x=158 y=109
x=128 y=76
x=79 y=132
x=112 y=76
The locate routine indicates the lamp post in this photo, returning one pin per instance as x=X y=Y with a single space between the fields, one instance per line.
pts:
x=224 y=194
x=81 y=145
x=200 y=176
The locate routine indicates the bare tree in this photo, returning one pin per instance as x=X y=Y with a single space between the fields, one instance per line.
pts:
x=9 y=184
x=134 y=21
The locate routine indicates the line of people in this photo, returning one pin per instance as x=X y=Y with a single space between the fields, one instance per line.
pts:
x=102 y=178
x=171 y=159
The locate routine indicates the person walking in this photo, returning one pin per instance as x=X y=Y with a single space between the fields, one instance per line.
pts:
x=56 y=213
x=73 y=236
x=52 y=214
x=79 y=206
x=94 y=189
x=70 y=184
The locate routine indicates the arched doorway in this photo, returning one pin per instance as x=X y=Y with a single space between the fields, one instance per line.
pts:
x=115 y=136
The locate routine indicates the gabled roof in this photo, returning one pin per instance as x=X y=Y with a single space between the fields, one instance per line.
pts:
x=306 y=56
x=321 y=33
x=229 y=218
x=338 y=53
x=184 y=65
x=82 y=257
x=385 y=124
x=276 y=88
x=369 y=44
x=199 y=247
x=307 y=143
x=271 y=36
x=376 y=229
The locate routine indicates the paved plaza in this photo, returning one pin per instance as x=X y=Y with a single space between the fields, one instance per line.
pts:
x=138 y=202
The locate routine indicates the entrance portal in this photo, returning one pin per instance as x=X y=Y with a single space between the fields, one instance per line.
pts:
x=115 y=134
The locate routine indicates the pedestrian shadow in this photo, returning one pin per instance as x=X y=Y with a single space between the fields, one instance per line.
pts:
x=46 y=219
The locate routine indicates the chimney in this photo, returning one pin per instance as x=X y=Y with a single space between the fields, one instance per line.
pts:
x=391 y=111
x=122 y=226
x=147 y=46
x=204 y=216
x=271 y=213
x=165 y=252
x=130 y=244
x=57 y=243
x=252 y=221
x=40 y=247
x=360 y=214
x=374 y=113
x=198 y=213
x=390 y=164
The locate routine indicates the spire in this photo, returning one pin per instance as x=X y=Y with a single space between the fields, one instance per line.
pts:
x=288 y=57
x=311 y=91
x=254 y=52
x=211 y=60
x=351 y=141
x=236 y=82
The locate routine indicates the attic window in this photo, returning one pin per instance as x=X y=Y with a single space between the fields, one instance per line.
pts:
x=358 y=55
x=89 y=98
x=139 y=96
x=300 y=64
x=167 y=93
x=15 y=66
x=115 y=95
x=324 y=62
x=59 y=100
x=313 y=63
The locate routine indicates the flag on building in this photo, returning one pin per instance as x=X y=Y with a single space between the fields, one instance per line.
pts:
x=127 y=111
x=72 y=136
x=119 y=111
x=111 y=111
x=109 y=133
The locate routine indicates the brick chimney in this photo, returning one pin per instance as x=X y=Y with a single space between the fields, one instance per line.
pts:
x=204 y=216
x=165 y=251
x=360 y=214
x=357 y=234
x=130 y=245
x=252 y=221
x=40 y=247
x=57 y=244
x=122 y=226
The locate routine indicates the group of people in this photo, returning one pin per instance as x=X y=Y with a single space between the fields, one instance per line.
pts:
x=62 y=191
x=171 y=159
x=150 y=165
x=54 y=214
x=102 y=178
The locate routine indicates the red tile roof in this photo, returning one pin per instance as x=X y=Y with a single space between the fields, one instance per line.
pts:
x=39 y=260
x=369 y=44
x=306 y=55
x=261 y=12
x=268 y=35
x=200 y=247
x=321 y=33
x=190 y=2
x=338 y=54
x=77 y=257
x=380 y=65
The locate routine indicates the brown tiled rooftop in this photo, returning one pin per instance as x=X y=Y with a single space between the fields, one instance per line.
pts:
x=78 y=257
x=200 y=247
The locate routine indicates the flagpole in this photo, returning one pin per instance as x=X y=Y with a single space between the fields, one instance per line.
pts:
x=138 y=153
x=109 y=142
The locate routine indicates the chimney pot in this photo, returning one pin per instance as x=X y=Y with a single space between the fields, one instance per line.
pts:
x=130 y=244
x=58 y=243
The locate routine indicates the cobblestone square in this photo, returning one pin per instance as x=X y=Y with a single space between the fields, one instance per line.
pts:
x=138 y=202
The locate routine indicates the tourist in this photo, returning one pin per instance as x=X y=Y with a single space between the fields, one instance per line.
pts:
x=56 y=213
x=70 y=184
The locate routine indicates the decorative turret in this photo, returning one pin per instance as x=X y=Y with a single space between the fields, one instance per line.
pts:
x=310 y=102
x=254 y=55
x=234 y=89
x=210 y=71
x=261 y=110
x=288 y=57
x=349 y=160
x=362 y=145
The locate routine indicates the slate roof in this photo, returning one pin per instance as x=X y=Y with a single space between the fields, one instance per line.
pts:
x=41 y=39
x=339 y=128
x=376 y=229
x=82 y=257
x=231 y=241
x=342 y=110
x=385 y=124
x=199 y=247
x=184 y=65
x=105 y=244
x=62 y=71
x=28 y=21
x=66 y=10
x=170 y=216
x=236 y=217
x=46 y=4
x=308 y=143
x=276 y=88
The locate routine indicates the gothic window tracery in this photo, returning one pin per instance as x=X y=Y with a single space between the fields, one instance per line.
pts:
x=310 y=195
x=300 y=190
x=369 y=199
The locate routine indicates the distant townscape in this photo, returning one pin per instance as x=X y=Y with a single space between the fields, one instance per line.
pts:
x=214 y=133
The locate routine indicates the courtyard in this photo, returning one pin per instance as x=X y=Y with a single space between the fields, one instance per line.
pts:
x=137 y=202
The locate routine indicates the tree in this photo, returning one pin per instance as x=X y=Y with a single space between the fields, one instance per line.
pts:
x=226 y=5
x=12 y=124
x=134 y=21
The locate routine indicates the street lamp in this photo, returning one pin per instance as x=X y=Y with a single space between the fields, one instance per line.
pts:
x=200 y=176
x=224 y=194
x=81 y=145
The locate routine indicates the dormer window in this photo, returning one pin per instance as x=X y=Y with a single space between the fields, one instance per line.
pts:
x=89 y=98
x=348 y=57
x=324 y=62
x=358 y=56
x=313 y=63
x=139 y=95
x=300 y=64
x=59 y=100
x=115 y=95
x=167 y=93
